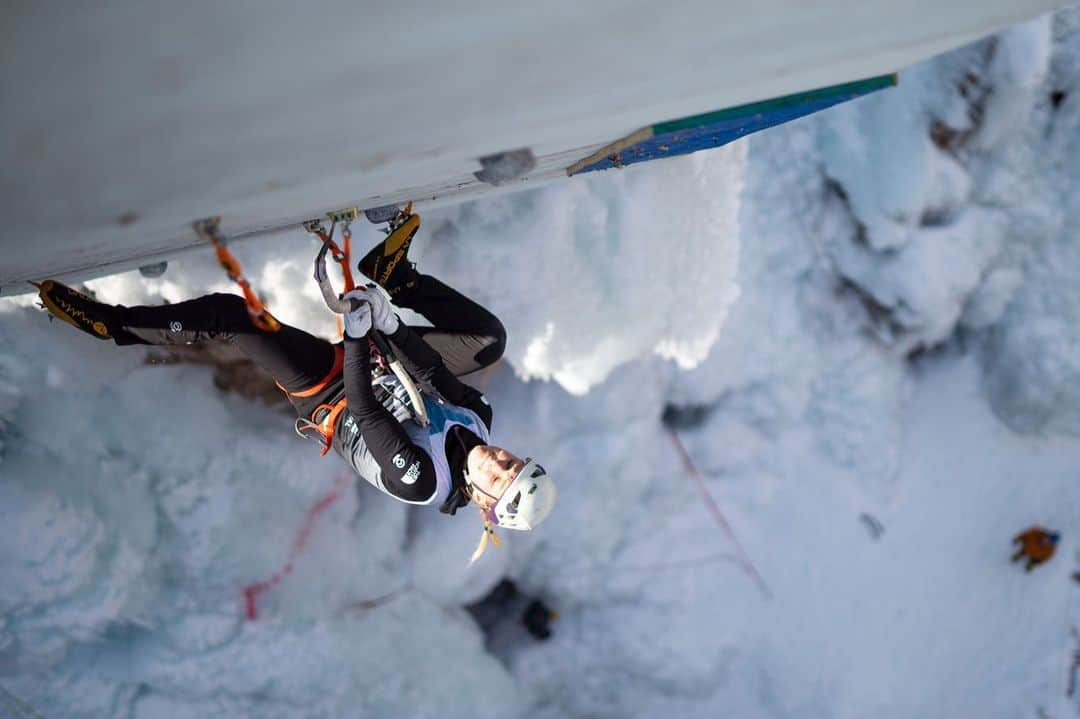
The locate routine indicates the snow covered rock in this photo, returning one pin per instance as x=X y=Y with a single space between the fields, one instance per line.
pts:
x=924 y=287
x=879 y=151
x=1031 y=360
x=1031 y=357
x=71 y=565
x=631 y=266
x=942 y=179
x=987 y=304
x=1017 y=71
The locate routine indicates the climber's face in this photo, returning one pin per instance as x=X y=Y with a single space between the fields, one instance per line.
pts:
x=491 y=469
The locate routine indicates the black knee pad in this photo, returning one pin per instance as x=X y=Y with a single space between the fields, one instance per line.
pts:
x=494 y=351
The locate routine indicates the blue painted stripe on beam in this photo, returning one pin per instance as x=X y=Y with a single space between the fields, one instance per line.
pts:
x=716 y=134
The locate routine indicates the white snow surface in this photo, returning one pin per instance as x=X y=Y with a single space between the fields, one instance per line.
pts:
x=876 y=314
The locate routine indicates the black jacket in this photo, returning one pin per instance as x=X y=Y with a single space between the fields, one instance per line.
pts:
x=367 y=432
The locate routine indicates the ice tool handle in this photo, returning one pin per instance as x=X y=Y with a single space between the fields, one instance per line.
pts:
x=342 y=305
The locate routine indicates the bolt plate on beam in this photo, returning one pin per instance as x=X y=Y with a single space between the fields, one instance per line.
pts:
x=347 y=214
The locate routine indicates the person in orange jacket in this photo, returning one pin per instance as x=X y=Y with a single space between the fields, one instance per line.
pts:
x=1037 y=544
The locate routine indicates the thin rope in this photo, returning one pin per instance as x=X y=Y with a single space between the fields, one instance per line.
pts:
x=743 y=559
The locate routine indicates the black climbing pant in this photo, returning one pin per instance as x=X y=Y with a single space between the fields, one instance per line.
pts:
x=466 y=336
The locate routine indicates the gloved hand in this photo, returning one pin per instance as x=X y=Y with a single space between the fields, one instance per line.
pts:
x=383 y=316
x=358 y=321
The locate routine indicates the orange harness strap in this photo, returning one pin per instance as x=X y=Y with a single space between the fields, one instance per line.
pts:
x=346 y=233
x=340 y=256
x=325 y=427
x=339 y=364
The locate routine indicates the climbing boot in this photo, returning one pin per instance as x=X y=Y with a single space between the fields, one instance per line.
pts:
x=387 y=263
x=78 y=310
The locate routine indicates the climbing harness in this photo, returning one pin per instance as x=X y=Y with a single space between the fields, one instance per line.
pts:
x=320 y=426
x=323 y=418
x=340 y=305
x=210 y=230
x=341 y=255
x=327 y=416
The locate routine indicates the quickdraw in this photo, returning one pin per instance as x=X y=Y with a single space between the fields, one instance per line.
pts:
x=341 y=256
x=210 y=230
x=339 y=305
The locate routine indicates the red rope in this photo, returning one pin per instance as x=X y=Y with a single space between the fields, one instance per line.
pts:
x=253 y=590
x=743 y=559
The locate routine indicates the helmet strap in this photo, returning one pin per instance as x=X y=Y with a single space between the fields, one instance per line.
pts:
x=475 y=487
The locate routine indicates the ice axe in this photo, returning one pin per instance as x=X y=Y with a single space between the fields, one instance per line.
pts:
x=341 y=306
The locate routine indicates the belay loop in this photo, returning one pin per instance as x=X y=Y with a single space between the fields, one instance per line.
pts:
x=210 y=230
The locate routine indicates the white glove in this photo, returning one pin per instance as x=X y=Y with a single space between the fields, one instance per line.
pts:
x=382 y=312
x=358 y=321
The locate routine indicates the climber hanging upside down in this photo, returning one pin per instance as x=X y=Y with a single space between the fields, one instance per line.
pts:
x=363 y=415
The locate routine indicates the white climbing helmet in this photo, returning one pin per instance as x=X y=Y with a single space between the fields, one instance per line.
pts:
x=527 y=501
